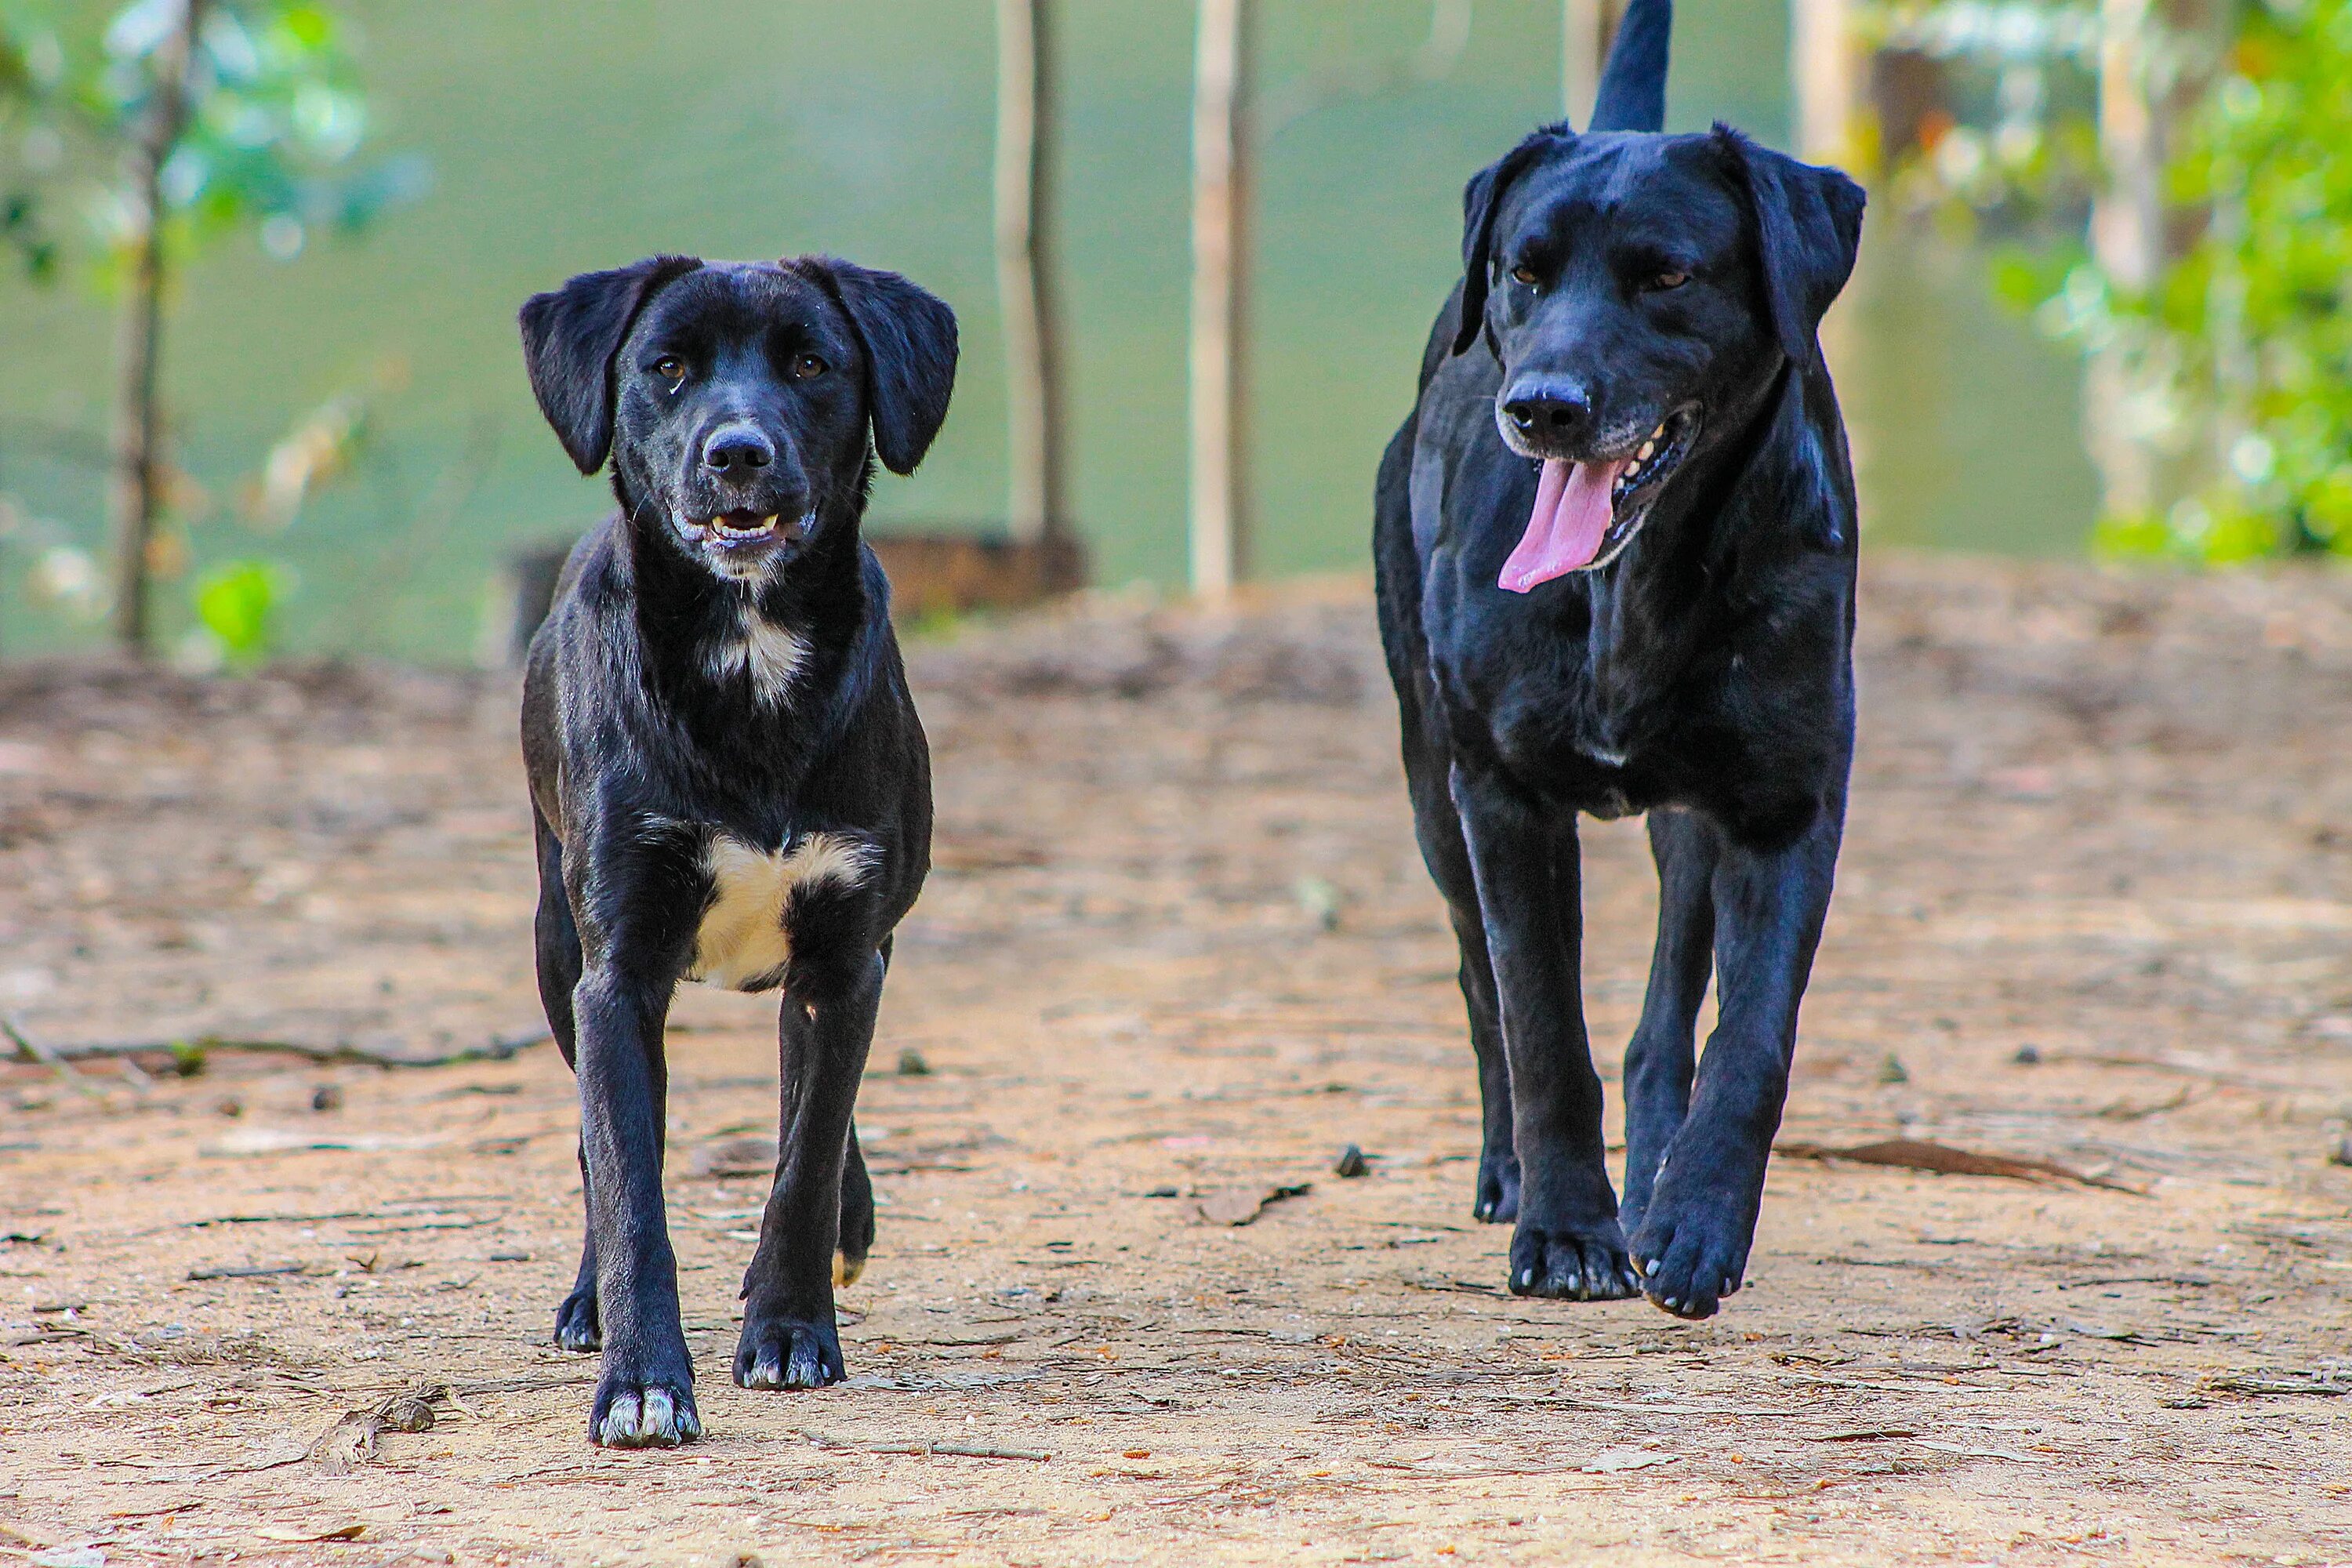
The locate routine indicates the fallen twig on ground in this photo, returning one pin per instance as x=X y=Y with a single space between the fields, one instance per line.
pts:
x=189 y=1053
x=950 y=1450
x=1240 y=1205
x=2325 y=1384
x=1942 y=1159
x=31 y=1049
x=261 y=1273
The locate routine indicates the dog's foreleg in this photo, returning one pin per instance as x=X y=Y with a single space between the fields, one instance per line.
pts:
x=1523 y=856
x=790 y=1340
x=1693 y=1240
x=644 y=1397
x=1663 y=1052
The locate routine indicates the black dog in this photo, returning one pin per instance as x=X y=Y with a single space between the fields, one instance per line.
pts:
x=727 y=774
x=1616 y=558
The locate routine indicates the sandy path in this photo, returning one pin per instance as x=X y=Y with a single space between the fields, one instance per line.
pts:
x=1180 y=942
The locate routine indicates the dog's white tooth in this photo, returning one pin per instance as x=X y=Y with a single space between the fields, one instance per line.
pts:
x=1648 y=448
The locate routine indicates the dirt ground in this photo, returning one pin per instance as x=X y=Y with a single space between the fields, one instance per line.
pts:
x=2095 y=908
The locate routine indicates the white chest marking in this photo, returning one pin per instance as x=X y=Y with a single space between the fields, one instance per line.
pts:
x=742 y=940
x=770 y=655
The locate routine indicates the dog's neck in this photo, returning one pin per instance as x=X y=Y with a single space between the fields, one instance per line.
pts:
x=1742 y=502
x=1703 y=519
x=779 y=638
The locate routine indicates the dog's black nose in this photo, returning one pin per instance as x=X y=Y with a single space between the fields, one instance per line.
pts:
x=1554 y=408
x=736 y=450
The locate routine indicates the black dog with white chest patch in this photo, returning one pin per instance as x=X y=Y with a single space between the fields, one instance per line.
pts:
x=728 y=777
x=1616 y=554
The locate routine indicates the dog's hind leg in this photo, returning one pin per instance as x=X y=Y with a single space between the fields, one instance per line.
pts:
x=1664 y=1051
x=790 y=1339
x=1525 y=857
x=856 y=1216
x=856 y=1195
x=1497 y=1200
x=1693 y=1240
x=1439 y=827
x=557 y=949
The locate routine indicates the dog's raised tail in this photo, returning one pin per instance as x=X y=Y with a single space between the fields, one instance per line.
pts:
x=1632 y=95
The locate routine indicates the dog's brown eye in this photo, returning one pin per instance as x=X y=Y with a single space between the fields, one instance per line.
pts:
x=806 y=367
x=668 y=368
x=1669 y=280
x=1523 y=274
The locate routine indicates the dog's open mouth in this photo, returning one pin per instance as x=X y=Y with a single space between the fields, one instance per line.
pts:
x=1586 y=512
x=733 y=529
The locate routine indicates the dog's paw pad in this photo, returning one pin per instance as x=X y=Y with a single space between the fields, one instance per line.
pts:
x=789 y=1353
x=1571 y=1266
x=643 y=1415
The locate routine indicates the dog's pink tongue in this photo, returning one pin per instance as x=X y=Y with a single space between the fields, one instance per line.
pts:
x=1570 y=518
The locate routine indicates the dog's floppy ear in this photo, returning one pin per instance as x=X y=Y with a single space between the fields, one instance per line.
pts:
x=1481 y=198
x=1808 y=230
x=909 y=336
x=569 y=339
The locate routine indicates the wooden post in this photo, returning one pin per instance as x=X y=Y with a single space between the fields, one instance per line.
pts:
x=2128 y=240
x=1219 y=266
x=1587 y=29
x=1037 y=509
x=1824 y=70
x=135 y=485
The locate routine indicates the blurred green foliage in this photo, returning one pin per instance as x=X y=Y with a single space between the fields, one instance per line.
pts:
x=272 y=120
x=236 y=605
x=2255 y=321
x=32 y=66
x=2240 y=357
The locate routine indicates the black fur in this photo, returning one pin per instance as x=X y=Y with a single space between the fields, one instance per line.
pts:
x=740 y=404
x=1699 y=670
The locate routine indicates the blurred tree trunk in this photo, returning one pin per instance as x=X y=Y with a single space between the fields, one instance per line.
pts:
x=134 y=490
x=1587 y=29
x=2128 y=242
x=1221 y=146
x=2155 y=64
x=1823 y=69
x=1024 y=269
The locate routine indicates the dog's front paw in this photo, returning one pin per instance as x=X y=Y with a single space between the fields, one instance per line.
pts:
x=632 y=1413
x=789 y=1352
x=576 y=1327
x=1584 y=1264
x=1499 y=1189
x=1690 y=1254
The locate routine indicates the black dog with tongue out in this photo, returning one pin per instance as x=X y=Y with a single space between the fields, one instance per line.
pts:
x=1616 y=550
x=727 y=778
